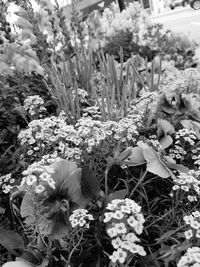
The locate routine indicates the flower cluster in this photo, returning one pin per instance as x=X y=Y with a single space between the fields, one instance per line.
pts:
x=193 y=220
x=6 y=182
x=38 y=178
x=80 y=217
x=188 y=182
x=123 y=222
x=34 y=106
x=191 y=258
x=185 y=140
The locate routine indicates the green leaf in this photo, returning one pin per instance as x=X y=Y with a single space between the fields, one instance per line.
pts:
x=120 y=194
x=67 y=177
x=165 y=129
x=154 y=163
x=17 y=264
x=89 y=184
x=23 y=23
x=11 y=240
x=136 y=157
x=27 y=209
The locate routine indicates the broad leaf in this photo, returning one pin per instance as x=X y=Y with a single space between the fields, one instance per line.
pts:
x=11 y=240
x=154 y=163
x=136 y=157
x=67 y=177
x=165 y=129
x=27 y=209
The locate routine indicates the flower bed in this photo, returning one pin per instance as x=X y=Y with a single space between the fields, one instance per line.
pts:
x=105 y=167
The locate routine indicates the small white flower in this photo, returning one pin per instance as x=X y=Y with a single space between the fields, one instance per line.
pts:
x=118 y=215
x=132 y=221
x=116 y=243
x=188 y=234
x=45 y=176
x=122 y=254
x=39 y=189
x=120 y=228
x=108 y=216
x=112 y=232
x=31 y=179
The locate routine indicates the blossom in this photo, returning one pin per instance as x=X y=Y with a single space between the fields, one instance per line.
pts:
x=31 y=179
x=80 y=217
x=192 y=256
x=39 y=189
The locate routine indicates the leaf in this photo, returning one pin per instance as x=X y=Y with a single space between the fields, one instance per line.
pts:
x=172 y=165
x=120 y=194
x=165 y=129
x=23 y=23
x=67 y=177
x=192 y=125
x=154 y=163
x=22 y=13
x=89 y=184
x=11 y=240
x=123 y=155
x=2 y=210
x=27 y=209
x=165 y=236
x=136 y=157
x=17 y=264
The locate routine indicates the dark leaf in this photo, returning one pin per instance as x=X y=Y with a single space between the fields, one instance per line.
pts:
x=89 y=184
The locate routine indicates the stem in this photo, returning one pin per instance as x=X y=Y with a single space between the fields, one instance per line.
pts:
x=138 y=183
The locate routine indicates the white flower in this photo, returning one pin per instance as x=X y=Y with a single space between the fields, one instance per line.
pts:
x=31 y=179
x=132 y=221
x=108 y=216
x=188 y=234
x=112 y=232
x=118 y=215
x=116 y=243
x=122 y=254
x=39 y=189
x=131 y=237
x=45 y=176
x=120 y=228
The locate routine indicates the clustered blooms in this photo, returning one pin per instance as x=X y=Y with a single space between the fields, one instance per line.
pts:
x=6 y=182
x=37 y=178
x=69 y=140
x=193 y=220
x=191 y=258
x=80 y=217
x=123 y=221
x=188 y=182
x=185 y=140
x=34 y=105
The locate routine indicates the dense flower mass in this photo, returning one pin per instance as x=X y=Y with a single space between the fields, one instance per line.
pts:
x=193 y=221
x=191 y=258
x=124 y=222
x=188 y=182
x=81 y=218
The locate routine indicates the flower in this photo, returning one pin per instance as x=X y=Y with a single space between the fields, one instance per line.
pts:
x=192 y=256
x=188 y=234
x=39 y=189
x=31 y=179
x=80 y=217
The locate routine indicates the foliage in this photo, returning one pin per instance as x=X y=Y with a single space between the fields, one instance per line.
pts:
x=102 y=159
